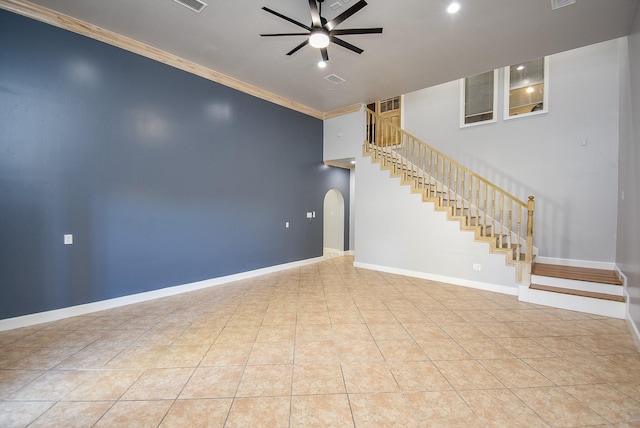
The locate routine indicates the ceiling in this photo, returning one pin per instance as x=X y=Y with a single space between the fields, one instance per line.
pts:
x=421 y=46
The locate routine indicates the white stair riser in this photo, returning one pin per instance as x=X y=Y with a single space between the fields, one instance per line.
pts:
x=594 y=287
x=588 y=305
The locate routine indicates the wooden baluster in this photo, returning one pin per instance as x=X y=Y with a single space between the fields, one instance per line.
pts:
x=462 y=189
x=477 y=202
x=421 y=168
x=510 y=225
x=493 y=212
x=405 y=148
x=376 y=132
x=432 y=173
x=429 y=171
x=447 y=180
x=437 y=170
x=455 y=190
x=470 y=198
x=501 y=232
x=529 y=251
x=486 y=207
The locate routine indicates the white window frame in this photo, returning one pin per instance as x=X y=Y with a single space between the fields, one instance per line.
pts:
x=545 y=95
x=463 y=103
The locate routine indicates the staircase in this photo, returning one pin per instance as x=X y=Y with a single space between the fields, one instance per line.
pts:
x=496 y=217
x=594 y=291
x=501 y=220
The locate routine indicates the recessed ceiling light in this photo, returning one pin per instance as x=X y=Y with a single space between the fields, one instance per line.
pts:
x=530 y=90
x=520 y=68
x=453 y=7
x=322 y=64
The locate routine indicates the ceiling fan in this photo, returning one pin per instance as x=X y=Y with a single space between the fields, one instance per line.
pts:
x=321 y=32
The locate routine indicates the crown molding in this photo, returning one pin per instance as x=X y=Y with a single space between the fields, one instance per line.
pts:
x=342 y=111
x=69 y=23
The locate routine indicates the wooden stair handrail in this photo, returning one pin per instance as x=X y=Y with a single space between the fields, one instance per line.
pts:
x=439 y=153
x=439 y=177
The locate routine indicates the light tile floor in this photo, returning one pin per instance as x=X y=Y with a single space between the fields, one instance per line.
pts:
x=323 y=345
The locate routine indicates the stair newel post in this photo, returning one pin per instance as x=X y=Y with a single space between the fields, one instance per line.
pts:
x=530 y=208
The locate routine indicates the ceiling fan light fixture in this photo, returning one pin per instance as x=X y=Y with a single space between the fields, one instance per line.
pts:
x=319 y=39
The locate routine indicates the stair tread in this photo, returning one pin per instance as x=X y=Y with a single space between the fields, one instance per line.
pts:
x=602 y=296
x=602 y=276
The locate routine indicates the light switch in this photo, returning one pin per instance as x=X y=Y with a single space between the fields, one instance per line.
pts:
x=286 y=224
x=309 y=214
x=68 y=239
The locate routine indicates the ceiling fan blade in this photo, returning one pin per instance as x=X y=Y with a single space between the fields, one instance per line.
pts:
x=325 y=54
x=315 y=14
x=357 y=31
x=297 y=48
x=344 y=44
x=286 y=18
x=329 y=26
x=284 y=34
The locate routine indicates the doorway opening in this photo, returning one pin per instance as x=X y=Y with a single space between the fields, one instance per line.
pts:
x=333 y=224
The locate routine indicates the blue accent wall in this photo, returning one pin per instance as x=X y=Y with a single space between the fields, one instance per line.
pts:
x=162 y=177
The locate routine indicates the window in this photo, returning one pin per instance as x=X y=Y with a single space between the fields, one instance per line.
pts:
x=526 y=88
x=479 y=96
x=389 y=105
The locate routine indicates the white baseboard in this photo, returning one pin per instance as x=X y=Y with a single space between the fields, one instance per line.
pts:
x=504 y=289
x=621 y=276
x=350 y=253
x=634 y=331
x=332 y=252
x=575 y=263
x=72 y=311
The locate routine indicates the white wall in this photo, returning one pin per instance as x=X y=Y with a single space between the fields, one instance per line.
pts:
x=343 y=136
x=628 y=250
x=352 y=210
x=575 y=185
x=399 y=233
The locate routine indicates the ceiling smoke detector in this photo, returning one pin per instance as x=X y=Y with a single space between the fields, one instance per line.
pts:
x=557 y=4
x=195 y=5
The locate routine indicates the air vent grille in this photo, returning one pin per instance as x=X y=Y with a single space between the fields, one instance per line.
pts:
x=335 y=79
x=557 y=4
x=195 y=5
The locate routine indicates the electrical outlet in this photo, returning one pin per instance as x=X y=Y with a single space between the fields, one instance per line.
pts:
x=286 y=224
x=68 y=239
x=477 y=266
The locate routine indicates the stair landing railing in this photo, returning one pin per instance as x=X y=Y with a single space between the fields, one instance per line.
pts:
x=500 y=215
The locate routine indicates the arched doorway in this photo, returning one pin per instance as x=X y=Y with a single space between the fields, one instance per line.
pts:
x=333 y=224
